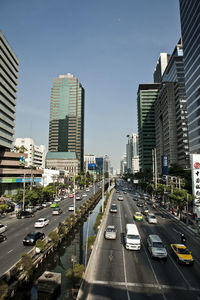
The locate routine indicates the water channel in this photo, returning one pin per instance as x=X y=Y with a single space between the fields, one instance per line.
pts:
x=70 y=252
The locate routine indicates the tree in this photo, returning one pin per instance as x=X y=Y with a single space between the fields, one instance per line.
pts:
x=75 y=274
x=26 y=264
x=180 y=197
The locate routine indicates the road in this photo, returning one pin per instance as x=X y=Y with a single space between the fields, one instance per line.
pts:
x=117 y=273
x=12 y=249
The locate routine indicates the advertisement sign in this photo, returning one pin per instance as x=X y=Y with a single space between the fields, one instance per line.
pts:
x=92 y=166
x=195 y=171
x=165 y=167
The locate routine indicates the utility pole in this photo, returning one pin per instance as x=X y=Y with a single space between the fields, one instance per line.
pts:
x=102 y=188
x=74 y=190
x=156 y=176
x=187 y=211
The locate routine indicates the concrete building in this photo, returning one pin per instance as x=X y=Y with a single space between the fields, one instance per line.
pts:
x=66 y=126
x=123 y=164
x=65 y=161
x=106 y=164
x=190 y=29
x=9 y=67
x=131 y=151
x=36 y=154
x=146 y=97
x=88 y=159
x=160 y=67
x=165 y=124
x=174 y=72
x=135 y=164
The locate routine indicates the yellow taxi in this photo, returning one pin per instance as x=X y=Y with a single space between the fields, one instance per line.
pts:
x=138 y=216
x=182 y=254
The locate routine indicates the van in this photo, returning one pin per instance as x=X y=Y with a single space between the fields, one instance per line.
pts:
x=156 y=247
x=132 y=237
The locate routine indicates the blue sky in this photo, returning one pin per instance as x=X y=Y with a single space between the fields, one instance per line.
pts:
x=111 y=46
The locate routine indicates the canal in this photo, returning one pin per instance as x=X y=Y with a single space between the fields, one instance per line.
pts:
x=71 y=251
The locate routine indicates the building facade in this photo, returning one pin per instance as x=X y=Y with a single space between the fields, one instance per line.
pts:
x=160 y=67
x=9 y=67
x=66 y=126
x=88 y=159
x=146 y=97
x=174 y=72
x=36 y=154
x=165 y=124
x=190 y=29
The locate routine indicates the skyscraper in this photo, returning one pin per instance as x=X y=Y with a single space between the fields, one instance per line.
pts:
x=160 y=67
x=190 y=28
x=66 y=126
x=9 y=66
x=147 y=94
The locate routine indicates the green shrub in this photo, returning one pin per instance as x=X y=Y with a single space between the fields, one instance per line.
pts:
x=41 y=244
x=54 y=236
x=75 y=274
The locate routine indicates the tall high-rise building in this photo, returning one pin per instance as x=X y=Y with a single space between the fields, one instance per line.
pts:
x=160 y=67
x=190 y=28
x=9 y=66
x=131 y=151
x=146 y=96
x=66 y=126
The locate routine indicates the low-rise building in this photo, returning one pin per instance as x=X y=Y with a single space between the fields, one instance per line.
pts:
x=66 y=161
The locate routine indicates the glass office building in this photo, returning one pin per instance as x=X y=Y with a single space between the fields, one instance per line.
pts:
x=66 y=126
x=190 y=28
x=146 y=97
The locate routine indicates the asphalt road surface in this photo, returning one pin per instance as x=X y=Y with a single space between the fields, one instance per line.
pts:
x=117 y=273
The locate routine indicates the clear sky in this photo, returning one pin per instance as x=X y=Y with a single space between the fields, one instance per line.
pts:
x=111 y=46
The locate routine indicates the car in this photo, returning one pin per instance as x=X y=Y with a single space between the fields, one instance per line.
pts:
x=54 y=205
x=31 y=238
x=42 y=222
x=24 y=214
x=3 y=228
x=39 y=206
x=110 y=233
x=78 y=198
x=120 y=198
x=113 y=208
x=45 y=204
x=71 y=208
x=117 y=191
x=57 y=199
x=31 y=209
x=56 y=211
x=71 y=196
x=182 y=254
x=145 y=211
x=84 y=195
x=138 y=216
x=125 y=192
x=151 y=218
x=2 y=237
x=87 y=190
x=140 y=204
x=156 y=247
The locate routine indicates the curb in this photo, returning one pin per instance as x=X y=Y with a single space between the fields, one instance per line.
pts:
x=89 y=267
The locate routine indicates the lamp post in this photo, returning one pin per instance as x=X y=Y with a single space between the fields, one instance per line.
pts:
x=74 y=190
x=102 y=188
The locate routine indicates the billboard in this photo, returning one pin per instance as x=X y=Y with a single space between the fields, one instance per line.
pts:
x=165 y=167
x=195 y=170
x=92 y=166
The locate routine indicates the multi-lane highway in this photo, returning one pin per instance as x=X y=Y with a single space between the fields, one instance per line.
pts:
x=117 y=273
x=12 y=249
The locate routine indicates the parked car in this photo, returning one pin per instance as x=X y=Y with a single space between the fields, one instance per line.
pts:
x=24 y=214
x=182 y=254
x=3 y=228
x=31 y=238
x=54 y=205
x=57 y=199
x=140 y=204
x=42 y=222
x=2 y=237
x=31 y=209
x=57 y=211
x=110 y=233
x=151 y=218
x=39 y=206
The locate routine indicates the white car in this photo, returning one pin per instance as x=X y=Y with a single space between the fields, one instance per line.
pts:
x=71 y=208
x=151 y=218
x=42 y=222
x=57 y=200
x=3 y=228
x=84 y=195
x=87 y=190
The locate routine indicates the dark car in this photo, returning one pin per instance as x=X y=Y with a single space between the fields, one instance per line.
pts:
x=2 y=237
x=32 y=237
x=113 y=208
x=24 y=214
x=140 y=204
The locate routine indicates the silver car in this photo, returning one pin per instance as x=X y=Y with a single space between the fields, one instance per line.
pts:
x=110 y=233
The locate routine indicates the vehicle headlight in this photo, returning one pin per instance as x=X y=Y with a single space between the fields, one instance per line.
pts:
x=32 y=240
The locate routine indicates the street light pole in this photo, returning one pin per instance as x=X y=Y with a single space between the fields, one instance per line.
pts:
x=74 y=190
x=24 y=186
x=102 y=188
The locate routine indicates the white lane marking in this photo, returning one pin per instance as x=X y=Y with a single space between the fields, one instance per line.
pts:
x=10 y=251
x=125 y=277
x=156 y=278
x=187 y=282
x=146 y=285
x=176 y=231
